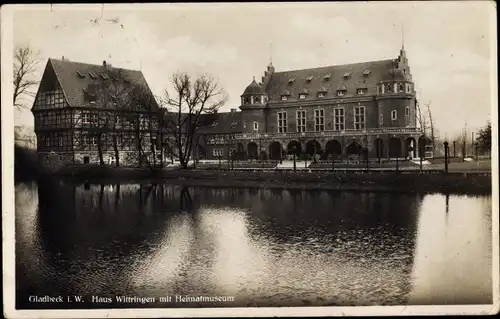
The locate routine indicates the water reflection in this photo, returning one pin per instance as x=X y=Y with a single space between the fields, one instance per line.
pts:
x=265 y=247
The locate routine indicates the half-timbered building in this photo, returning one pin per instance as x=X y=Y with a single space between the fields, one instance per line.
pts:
x=94 y=114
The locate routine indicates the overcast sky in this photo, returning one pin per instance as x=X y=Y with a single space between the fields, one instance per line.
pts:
x=449 y=44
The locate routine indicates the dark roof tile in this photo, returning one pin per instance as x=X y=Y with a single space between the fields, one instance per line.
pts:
x=73 y=84
x=279 y=82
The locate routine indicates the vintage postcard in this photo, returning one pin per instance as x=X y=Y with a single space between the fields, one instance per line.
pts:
x=249 y=159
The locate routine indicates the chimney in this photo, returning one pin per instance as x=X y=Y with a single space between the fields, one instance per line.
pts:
x=104 y=63
x=62 y=58
x=233 y=111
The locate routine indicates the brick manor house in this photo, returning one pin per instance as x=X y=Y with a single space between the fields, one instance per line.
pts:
x=343 y=111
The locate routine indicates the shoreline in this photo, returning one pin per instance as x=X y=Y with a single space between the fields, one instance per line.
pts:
x=471 y=183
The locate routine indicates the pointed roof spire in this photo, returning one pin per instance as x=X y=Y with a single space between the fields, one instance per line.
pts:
x=271 y=53
x=402 y=36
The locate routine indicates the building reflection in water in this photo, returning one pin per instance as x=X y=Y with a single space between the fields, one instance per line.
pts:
x=453 y=262
x=266 y=247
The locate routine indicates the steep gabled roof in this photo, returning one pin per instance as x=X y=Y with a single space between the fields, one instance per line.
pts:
x=220 y=123
x=279 y=82
x=75 y=77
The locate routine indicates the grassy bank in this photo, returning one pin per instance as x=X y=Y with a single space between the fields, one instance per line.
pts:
x=465 y=183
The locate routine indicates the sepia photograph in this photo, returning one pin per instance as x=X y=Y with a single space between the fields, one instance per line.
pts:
x=250 y=159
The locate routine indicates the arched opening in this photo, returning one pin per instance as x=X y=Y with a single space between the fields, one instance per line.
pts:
x=253 y=152
x=313 y=148
x=263 y=156
x=379 y=148
x=424 y=143
x=411 y=148
x=294 y=147
x=354 y=150
x=394 y=147
x=240 y=152
x=275 y=151
x=333 y=149
x=202 y=153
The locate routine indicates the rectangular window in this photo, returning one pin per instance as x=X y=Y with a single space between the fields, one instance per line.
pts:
x=407 y=111
x=359 y=117
x=394 y=115
x=338 y=119
x=381 y=119
x=217 y=152
x=282 y=122
x=301 y=121
x=319 y=120
x=47 y=140
x=60 y=141
x=50 y=98
x=92 y=140
x=86 y=118
x=255 y=126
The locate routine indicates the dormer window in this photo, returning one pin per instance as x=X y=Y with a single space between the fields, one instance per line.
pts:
x=255 y=126
x=302 y=96
x=321 y=94
x=284 y=97
x=309 y=78
x=93 y=75
x=341 y=92
x=407 y=111
x=80 y=74
x=347 y=75
x=366 y=72
x=291 y=80
x=327 y=77
x=361 y=91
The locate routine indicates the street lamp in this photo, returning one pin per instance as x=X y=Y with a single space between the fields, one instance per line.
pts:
x=294 y=150
x=446 y=156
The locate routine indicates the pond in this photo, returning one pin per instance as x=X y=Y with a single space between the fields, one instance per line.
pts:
x=254 y=247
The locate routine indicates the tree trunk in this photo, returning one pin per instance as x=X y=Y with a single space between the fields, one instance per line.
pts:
x=99 y=149
x=117 y=153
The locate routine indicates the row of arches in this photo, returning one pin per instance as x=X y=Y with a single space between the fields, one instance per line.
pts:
x=333 y=149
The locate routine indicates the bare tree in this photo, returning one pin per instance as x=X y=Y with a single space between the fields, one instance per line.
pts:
x=25 y=64
x=190 y=99
x=431 y=127
x=113 y=95
x=145 y=121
